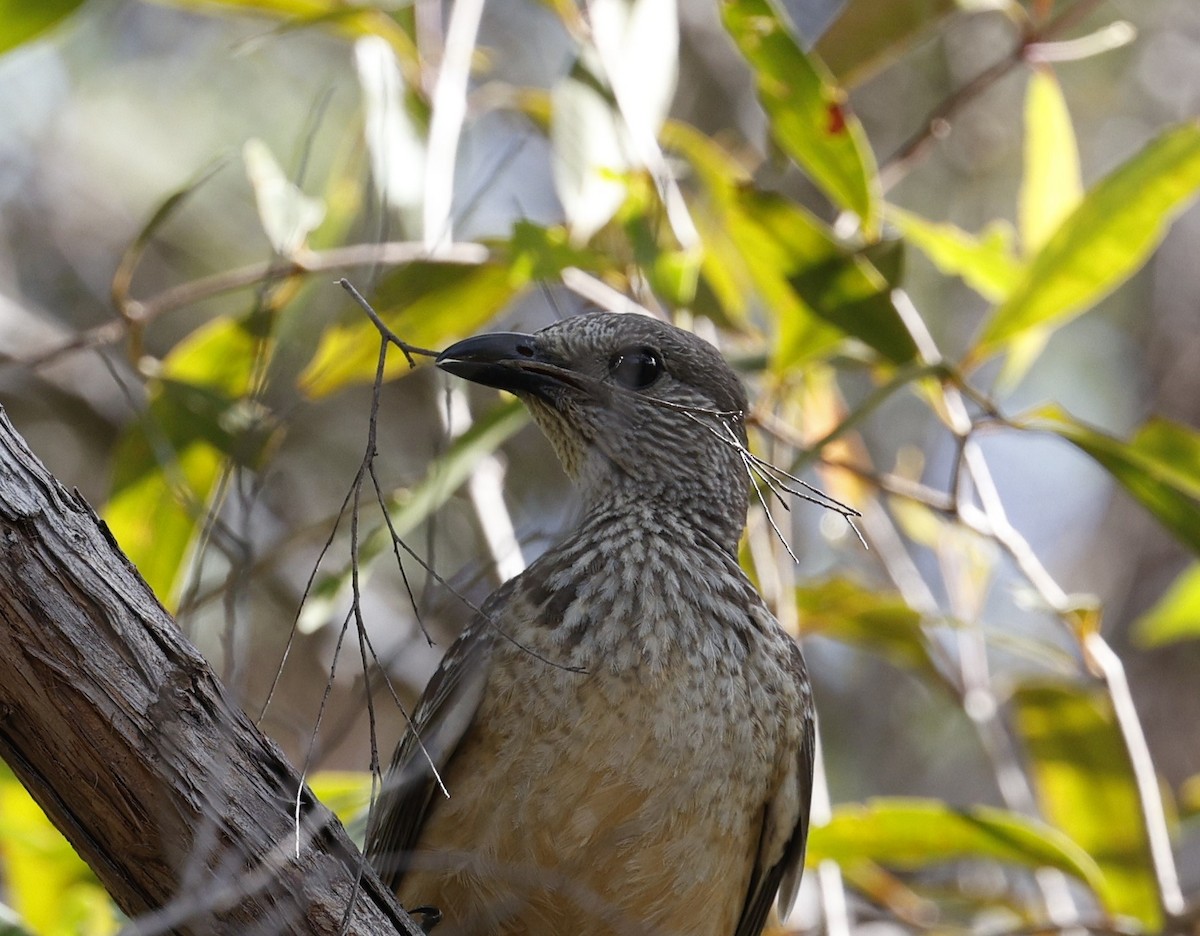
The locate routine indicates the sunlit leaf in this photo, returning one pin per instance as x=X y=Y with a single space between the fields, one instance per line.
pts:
x=1104 y=240
x=809 y=113
x=1176 y=616
x=986 y=263
x=286 y=213
x=21 y=20
x=876 y=621
x=1159 y=466
x=915 y=833
x=47 y=883
x=431 y=303
x=166 y=464
x=638 y=41
x=591 y=153
x=1085 y=786
x=346 y=792
x=760 y=244
x=428 y=304
x=1051 y=186
x=412 y=506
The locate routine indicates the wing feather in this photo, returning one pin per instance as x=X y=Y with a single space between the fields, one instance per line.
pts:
x=786 y=813
x=442 y=717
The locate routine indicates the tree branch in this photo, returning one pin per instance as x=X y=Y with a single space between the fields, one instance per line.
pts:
x=125 y=737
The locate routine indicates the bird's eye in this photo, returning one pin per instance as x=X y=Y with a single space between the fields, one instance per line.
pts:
x=635 y=368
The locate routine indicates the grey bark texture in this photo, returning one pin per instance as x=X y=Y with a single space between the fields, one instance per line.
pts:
x=128 y=741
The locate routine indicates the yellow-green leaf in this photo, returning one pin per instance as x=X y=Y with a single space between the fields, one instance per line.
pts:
x=809 y=114
x=759 y=244
x=1159 y=466
x=21 y=20
x=916 y=833
x=1176 y=616
x=1085 y=786
x=877 y=621
x=427 y=304
x=985 y=262
x=1104 y=240
x=1051 y=186
x=47 y=883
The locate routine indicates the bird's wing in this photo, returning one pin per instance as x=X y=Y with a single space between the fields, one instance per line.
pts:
x=780 y=860
x=442 y=717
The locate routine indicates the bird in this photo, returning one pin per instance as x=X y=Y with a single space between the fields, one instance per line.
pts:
x=622 y=739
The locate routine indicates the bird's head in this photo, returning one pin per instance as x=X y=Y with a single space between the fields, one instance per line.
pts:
x=640 y=413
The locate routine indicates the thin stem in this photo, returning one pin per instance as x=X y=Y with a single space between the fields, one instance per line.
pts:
x=936 y=125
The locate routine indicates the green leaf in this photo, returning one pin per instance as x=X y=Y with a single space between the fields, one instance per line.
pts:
x=430 y=303
x=346 y=792
x=200 y=415
x=1159 y=466
x=21 y=20
x=986 y=263
x=411 y=506
x=427 y=304
x=882 y=623
x=837 y=287
x=1176 y=616
x=47 y=883
x=1085 y=787
x=809 y=116
x=1051 y=186
x=1104 y=241
x=760 y=245
x=915 y=833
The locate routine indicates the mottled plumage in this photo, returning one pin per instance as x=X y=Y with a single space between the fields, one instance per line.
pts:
x=626 y=733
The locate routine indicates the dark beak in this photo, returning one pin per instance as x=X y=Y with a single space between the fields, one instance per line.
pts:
x=505 y=360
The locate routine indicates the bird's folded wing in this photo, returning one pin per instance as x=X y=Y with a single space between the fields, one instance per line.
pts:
x=442 y=717
x=780 y=861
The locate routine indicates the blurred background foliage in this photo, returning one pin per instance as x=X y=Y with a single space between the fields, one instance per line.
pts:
x=947 y=244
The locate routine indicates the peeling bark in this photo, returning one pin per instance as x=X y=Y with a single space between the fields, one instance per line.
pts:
x=128 y=741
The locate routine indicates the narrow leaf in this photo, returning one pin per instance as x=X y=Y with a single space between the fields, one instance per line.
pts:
x=809 y=115
x=1104 y=241
x=1159 y=466
x=916 y=833
x=426 y=303
x=1085 y=786
x=1176 y=616
x=287 y=214
x=1051 y=186
x=881 y=623
x=986 y=263
x=21 y=20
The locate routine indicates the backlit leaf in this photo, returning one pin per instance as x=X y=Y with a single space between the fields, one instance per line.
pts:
x=1159 y=466
x=1104 y=241
x=916 y=833
x=809 y=114
x=1085 y=786
x=21 y=20
x=1176 y=616
x=985 y=262
x=1051 y=186
x=876 y=621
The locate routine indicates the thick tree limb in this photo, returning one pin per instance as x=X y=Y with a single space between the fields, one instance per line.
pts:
x=124 y=736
